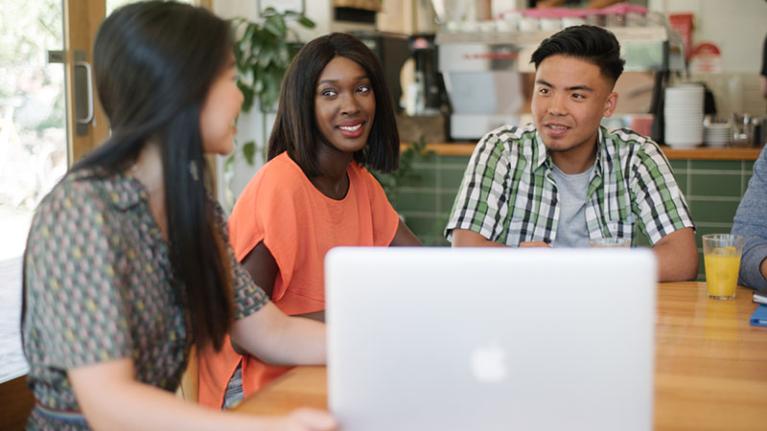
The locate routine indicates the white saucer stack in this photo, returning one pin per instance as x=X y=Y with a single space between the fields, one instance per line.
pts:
x=683 y=114
x=717 y=134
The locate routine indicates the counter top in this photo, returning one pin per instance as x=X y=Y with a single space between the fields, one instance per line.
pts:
x=464 y=149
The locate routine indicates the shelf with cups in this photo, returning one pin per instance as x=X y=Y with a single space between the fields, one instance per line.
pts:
x=646 y=34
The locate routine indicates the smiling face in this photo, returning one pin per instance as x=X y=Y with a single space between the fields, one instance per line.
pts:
x=219 y=112
x=569 y=100
x=344 y=105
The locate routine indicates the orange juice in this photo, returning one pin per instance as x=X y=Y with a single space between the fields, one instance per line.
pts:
x=722 y=266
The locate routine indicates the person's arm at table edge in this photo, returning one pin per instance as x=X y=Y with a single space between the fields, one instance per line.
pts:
x=753 y=264
x=276 y=338
x=468 y=238
x=764 y=268
x=751 y=222
x=677 y=256
x=112 y=399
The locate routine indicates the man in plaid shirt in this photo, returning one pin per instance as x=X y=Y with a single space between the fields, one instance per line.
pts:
x=565 y=179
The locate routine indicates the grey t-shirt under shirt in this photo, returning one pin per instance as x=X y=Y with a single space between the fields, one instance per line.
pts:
x=571 y=191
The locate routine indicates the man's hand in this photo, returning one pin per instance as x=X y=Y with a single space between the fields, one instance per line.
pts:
x=534 y=244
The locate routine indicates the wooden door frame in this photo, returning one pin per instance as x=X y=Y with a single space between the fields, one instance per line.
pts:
x=81 y=21
x=17 y=401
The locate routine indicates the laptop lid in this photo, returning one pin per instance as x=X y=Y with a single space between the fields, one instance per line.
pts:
x=490 y=339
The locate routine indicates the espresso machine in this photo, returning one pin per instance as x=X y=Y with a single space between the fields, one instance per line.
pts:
x=428 y=83
x=483 y=84
x=392 y=50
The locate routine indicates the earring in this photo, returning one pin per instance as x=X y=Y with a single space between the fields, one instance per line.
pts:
x=193 y=171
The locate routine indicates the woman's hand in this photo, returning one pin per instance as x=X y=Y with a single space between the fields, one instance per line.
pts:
x=534 y=244
x=111 y=399
x=308 y=420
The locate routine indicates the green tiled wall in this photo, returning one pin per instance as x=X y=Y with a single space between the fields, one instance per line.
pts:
x=713 y=190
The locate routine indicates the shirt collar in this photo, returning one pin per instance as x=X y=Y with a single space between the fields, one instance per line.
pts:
x=540 y=156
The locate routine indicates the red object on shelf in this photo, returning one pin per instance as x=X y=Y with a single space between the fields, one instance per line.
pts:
x=706 y=58
x=684 y=24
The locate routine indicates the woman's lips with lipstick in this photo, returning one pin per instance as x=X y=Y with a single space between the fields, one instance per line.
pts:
x=352 y=130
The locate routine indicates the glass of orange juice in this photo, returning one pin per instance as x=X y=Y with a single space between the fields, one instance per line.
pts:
x=721 y=256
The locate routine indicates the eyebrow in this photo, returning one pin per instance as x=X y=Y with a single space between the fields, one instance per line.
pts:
x=573 y=88
x=333 y=81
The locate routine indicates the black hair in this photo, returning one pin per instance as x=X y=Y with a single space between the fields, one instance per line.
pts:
x=593 y=44
x=295 y=127
x=154 y=63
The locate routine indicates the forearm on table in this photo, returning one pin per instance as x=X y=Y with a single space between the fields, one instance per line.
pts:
x=131 y=405
x=280 y=339
x=764 y=268
x=468 y=238
x=753 y=265
x=677 y=256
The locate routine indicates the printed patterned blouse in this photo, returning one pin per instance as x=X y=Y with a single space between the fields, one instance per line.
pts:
x=99 y=286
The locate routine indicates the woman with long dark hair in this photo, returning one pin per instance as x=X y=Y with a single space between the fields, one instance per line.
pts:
x=128 y=263
x=334 y=121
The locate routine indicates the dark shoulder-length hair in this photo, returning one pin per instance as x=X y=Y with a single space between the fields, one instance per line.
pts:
x=295 y=127
x=154 y=63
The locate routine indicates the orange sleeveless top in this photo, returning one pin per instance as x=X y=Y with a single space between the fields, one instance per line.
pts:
x=298 y=224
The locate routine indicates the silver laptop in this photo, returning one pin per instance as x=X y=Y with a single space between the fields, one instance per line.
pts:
x=490 y=339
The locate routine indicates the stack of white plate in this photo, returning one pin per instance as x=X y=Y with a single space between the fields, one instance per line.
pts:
x=683 y=114
x=717 y=134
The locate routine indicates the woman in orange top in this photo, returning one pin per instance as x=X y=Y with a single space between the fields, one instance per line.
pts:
x=335 y=115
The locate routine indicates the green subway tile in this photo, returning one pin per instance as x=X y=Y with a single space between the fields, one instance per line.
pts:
x=748 y=165
x=424 y=165
x=422 y=226
x=716 y=185
x=454 y=161
x=439 y=224
x=681 y=181
x=420 y=178
x=434 y=241
x=407 y=201
x=451 y=178
x=678 y=166
x=713 y=211
x=446 y=200
x=728 y=165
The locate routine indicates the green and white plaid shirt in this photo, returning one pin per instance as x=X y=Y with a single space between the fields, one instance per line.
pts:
x=508 y=193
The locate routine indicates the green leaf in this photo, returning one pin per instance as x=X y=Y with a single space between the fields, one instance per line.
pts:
x=306 y=22
x=229 y=163
x=276 y=26
x=249 y=151
x=247 y=96
x=266 y=58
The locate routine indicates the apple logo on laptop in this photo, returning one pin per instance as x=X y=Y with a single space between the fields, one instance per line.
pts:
x=488 y=363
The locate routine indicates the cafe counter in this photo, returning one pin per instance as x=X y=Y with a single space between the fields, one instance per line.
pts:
x=699 y=153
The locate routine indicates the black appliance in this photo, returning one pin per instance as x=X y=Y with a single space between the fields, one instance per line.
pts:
x=427 y=76
x=392 y=50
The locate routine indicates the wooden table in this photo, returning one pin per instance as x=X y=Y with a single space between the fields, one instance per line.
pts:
x=710 y=366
